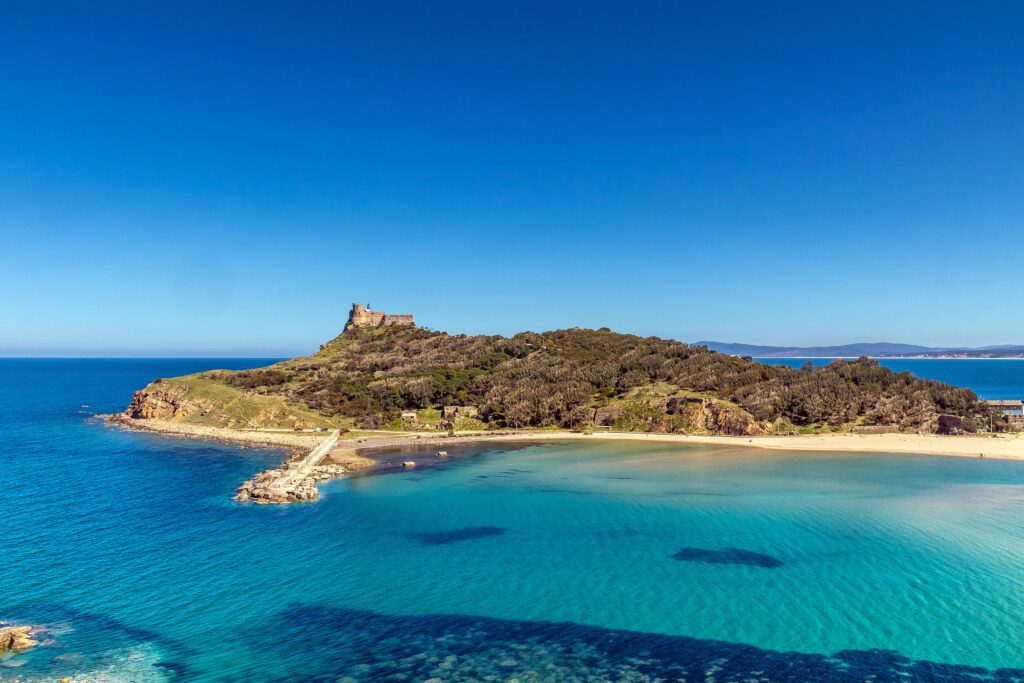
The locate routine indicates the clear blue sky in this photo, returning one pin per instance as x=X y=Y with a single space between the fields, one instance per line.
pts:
x=226 y=178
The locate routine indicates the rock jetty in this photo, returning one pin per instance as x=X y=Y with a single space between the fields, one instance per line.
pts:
x=295 y=480
x=16 y=639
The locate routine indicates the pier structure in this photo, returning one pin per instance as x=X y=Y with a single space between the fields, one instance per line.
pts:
x=1013 y=411
x=1009 y=407
x=296 y=479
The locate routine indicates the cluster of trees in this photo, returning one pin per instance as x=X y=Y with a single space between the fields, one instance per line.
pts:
x=250 y=379
x=559 y=378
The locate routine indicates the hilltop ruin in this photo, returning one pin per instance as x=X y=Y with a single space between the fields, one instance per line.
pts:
x=362 y=316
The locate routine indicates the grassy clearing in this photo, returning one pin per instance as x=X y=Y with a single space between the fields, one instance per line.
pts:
x=220 y=405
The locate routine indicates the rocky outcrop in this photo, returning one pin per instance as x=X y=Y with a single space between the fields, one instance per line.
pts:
x=953 y=424
x=206 y=401
x=295 y=480
x=165 y=401
x=719 y=418
x=649 y=410
x=266 y=487
x=16 y=638
x=263 y=489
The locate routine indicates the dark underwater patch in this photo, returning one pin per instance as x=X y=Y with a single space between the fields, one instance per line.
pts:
x=319 y=642
x=690 y=492
x=728 y=556
x=553 y=489
x=469 y=533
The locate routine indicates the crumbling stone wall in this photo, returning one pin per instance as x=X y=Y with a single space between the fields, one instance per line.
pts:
x=360 y=316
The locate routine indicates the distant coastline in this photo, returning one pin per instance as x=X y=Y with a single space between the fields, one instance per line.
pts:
x=761 y=358
x=875 y=350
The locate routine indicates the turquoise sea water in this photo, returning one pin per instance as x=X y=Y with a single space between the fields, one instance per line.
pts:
x=582 y=561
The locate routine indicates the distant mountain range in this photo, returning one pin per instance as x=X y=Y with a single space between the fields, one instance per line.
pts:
x=871 y=349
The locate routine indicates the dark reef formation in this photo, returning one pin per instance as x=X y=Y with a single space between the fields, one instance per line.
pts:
x=455 y=535
x=728 y=556
x=330 y=643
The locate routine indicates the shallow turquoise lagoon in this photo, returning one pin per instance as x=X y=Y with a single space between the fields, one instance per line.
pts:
x=595 y=562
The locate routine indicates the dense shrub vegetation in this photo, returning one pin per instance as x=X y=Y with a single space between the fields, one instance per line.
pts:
x=560 y=378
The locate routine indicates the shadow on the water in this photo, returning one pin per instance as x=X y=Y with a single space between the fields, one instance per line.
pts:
x=555 y=489
x=728 y=556
x=318 y=642
x=673 y=493
x=469 y=533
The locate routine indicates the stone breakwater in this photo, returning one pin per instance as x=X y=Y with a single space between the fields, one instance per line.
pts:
x=295 y=479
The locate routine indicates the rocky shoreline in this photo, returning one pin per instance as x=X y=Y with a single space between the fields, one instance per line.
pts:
x=17 y=639
x=295 y=480
x=293 y=441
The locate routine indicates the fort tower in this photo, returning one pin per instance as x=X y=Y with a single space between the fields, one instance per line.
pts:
x=362 y=316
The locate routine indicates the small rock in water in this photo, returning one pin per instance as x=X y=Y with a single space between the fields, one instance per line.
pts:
x=16 y=639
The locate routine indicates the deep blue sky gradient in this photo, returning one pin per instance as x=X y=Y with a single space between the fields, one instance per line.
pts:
x=226 y=178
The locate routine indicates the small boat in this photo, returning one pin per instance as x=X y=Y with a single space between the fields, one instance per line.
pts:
x=442 y=454
x=408 y=463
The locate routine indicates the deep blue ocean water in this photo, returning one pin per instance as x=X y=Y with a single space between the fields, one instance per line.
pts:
x=585 y=561
x=990 y=379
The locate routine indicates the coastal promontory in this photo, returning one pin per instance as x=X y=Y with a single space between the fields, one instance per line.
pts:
x=384 y=373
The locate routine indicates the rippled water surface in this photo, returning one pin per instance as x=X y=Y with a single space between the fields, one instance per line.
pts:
x=593 y=561
x=988 y=378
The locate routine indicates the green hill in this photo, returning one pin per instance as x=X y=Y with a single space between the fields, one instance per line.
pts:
x=576 y=378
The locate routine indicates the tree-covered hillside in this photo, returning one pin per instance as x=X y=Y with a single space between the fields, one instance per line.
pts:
x=567 y=378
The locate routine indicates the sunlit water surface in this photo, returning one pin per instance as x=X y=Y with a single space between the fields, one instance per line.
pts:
x=602 y=561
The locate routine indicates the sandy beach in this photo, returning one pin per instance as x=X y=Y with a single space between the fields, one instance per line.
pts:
x=1004 y=446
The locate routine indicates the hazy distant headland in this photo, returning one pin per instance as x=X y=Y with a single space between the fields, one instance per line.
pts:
x=869 y=349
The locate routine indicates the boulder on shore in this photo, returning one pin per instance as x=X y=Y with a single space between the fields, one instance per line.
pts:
x=16 y=639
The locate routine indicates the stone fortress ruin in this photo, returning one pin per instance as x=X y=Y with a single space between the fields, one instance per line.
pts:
x=362 y=316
